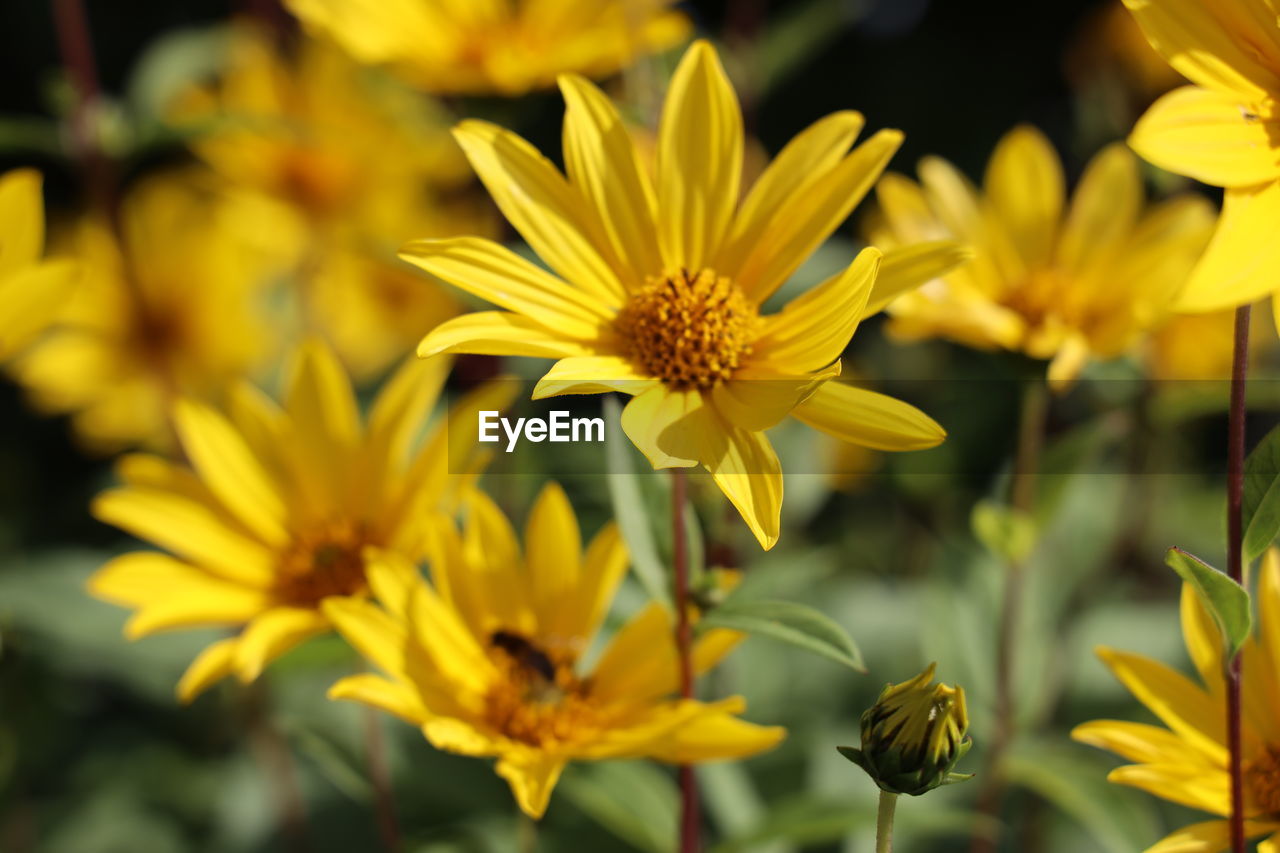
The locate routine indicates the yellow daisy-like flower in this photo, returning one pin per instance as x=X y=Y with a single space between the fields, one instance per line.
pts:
x=174 y=310
x=657 y=291
x=1187 y=761
x=505 y=47
x=272 y=512
x=1058 y=281
x=360 y=164
x=489 y=662
x=32 y=290
x=1199 y=346
x=1222 y=131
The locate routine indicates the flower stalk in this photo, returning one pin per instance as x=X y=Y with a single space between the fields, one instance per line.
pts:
x=884 y=822
x=684 y=649
x=380 y=780
x=1235 y=562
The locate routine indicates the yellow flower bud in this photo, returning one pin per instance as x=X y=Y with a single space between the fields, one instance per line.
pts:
x=913 y=736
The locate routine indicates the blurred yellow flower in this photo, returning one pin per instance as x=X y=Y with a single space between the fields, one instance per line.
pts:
x=1222 y=131
x=175 y=310
x=495 y=46
x=489 y=662
x=657 y=291
x=359 y=165
x=1186 y=762
x=1111 y=48
x=272 y=511
x=1199 y=346
x=1066 y=282
x=32 y=290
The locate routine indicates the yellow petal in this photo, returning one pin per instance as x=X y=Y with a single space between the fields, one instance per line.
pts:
x=1211 y=836
x=699 y=160
x=750 y=476
x=809 y=217
x=1205 y=45
x=601 y=161
x=462 y=738
x=271 y=635
x=1024 y=184
x=1067 y=363
x=171 y=594
x=869 y=419
x=715 y=736
x=553 y=555
x=758 y=399
x=603 y=568
x=21 y=220
x=1243 y=259
x=189 y=528
x=30 y=300
x=210 y=666
x=500 y=333
x=391 y=696
x=802 y=164
x=1209 y=136
x=656 y=421
x=532 y=775
x=1182 y=706
x=502 y=277
x=227 y=465
x=592 y=374
x=542 y=206
x=1203 y=640
x=812 y=330
x=490 y=546
x=1141 y=743
x=905 y=268
x=372 y=631
x=1183 y=783
x=1103 y=210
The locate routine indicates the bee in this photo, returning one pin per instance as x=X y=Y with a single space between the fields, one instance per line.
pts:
x=525 y=653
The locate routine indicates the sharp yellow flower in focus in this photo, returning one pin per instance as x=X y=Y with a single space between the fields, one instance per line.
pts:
x=489 y=662
x=174 y=310
x=359 y=164
x=657 y=285
x=1057 y=280
x=32 y=290
x=504 y=47
x=273 y=511
x=1221 y=131
x=1186 y=760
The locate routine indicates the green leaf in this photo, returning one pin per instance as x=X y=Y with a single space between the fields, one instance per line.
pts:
x=1006 y=532
x=1226 y=600
x=634 y=800
x=629 y=506
x=1261 y=507
x=790 y=622
x=1119 y=821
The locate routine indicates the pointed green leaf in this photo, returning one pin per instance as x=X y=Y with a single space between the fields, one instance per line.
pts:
x=797 y=624
x=1261 y=506
x=629 y=506
x=1226 y=600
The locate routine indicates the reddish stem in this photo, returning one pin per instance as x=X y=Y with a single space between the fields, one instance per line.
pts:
x=1235 y=561
x=689 y=817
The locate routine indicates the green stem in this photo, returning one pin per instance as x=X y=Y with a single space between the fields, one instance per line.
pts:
x=528 y=834
x=689 y=810
x=884 y=822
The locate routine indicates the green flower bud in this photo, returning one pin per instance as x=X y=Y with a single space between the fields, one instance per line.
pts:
x=913 y=736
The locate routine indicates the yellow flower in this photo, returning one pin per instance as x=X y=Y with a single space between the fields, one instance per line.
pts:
x=495 y=46
x=489 y=662
x=273 y=511
x=1187 y=761
x=657 y=291
x=175 y=310
x=1066 y=282
x=1222 y=131
x=1199 y=346
x=359 y=165
x=31 y=290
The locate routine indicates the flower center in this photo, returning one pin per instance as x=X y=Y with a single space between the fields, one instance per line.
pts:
x=321 y=563
x=692 y=331
x=539 y=699
x=1262 y=782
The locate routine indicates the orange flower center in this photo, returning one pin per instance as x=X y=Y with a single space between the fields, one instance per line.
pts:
x=321 y=563
x=539 y=699
x=1262 y=782
x=692 y=331
x=316 y=181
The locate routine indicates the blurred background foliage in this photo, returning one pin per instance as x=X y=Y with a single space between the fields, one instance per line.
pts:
x=96 y=757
